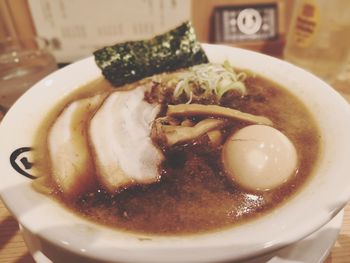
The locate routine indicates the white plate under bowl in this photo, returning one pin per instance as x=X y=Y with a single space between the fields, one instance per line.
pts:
x=67 y=238
x=313 y=249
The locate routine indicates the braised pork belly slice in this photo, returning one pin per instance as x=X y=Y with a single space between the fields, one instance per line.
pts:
x=120 y=140
x=71 y=160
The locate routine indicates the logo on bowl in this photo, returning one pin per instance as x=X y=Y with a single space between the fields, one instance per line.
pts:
x=19 y=161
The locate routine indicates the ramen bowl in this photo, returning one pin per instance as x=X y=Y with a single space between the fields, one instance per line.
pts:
x=61 y=235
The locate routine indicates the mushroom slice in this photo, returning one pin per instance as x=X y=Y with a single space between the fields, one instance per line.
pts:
x=71 y=163
x=172 y=134
x=215 y=137
x=214 y=110
x=120 y=139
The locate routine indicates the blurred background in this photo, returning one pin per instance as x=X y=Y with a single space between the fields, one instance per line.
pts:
x=314 y=34
x=75 y=28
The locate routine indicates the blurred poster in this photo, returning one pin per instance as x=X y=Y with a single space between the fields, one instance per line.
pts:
x=75 y=28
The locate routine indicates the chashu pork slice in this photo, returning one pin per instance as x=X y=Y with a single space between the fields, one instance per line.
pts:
x=71 y=160
x=120 y=139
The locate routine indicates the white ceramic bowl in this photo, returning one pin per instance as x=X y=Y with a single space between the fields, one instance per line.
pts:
x=65 y=237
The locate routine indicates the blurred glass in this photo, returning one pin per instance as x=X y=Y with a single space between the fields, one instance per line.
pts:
x=23 y=62
x=341 y=82
x=319 y=39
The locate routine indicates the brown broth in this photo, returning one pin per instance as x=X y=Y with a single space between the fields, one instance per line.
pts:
x=194 y=195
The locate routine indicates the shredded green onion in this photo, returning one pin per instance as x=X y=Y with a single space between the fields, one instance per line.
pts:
x=210 y=79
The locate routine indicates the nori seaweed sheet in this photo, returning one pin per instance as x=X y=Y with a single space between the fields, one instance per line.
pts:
x=134 y=60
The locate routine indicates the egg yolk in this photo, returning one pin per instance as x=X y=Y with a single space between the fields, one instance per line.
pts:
x=259 y=157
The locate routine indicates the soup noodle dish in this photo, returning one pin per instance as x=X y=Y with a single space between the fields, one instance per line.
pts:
x=223 y=159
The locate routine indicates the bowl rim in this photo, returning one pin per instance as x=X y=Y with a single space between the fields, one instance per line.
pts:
x=196 y=248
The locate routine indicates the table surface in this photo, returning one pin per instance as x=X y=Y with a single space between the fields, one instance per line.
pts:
x=13 y=249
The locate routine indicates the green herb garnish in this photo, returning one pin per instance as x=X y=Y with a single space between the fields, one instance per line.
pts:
x=133 y=60
x=208 y=80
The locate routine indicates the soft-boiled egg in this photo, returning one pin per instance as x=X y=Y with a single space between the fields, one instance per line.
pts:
x=259 y=157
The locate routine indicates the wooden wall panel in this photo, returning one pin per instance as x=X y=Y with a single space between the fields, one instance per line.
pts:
x=15 y=19
x=6 y=25
x=3 y=31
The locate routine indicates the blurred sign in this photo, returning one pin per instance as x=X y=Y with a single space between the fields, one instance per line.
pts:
x=76 y=28
x=245 y=23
